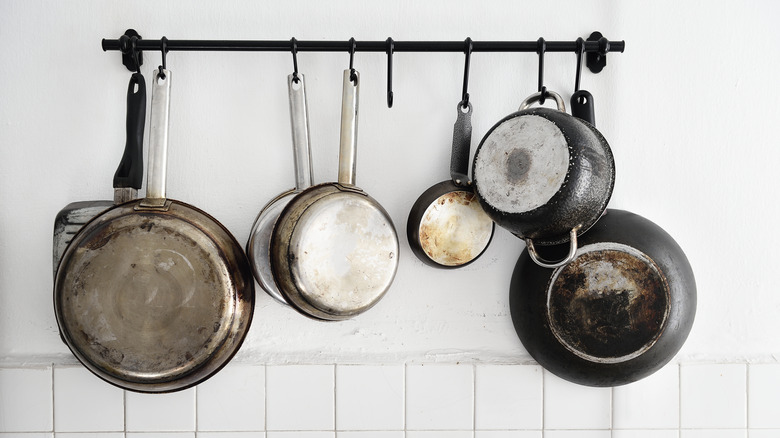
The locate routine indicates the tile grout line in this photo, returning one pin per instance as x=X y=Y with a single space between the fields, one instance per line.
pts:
x=543 y=400
x=474 y=400
x=335 y=385
x=406 y=402
x=265 y=400
x=747 y=396
x=52 y=399
x=679 y=398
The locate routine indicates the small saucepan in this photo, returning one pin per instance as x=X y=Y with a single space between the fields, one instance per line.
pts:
x=616 y=313
x=544 y=175
x=334 y=249
x=257 y=247
x=446 y=227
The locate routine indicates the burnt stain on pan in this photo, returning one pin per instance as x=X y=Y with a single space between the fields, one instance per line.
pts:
x=454 y=229
x=609 y=305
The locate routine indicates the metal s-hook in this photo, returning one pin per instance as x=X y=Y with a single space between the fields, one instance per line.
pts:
x=580 y=51
x=541 y=47
x=352 y=48
x=294 y=50
x=390 y=49
x=134 y=54
x=164 y=50
x=469 y=47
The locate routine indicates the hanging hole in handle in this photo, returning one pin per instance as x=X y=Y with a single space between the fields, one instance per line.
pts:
x=550 y=264
x=582 y=100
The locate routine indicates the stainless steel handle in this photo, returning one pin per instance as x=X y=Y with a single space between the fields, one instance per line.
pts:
x=550 y=264
x=299 y=119
x=536 y=97
x=349 y=118
x=158 y=140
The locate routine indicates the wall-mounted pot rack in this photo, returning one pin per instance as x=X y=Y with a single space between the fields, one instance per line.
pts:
x=595 y=49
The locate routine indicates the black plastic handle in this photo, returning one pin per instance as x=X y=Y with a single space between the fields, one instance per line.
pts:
x=582 y=106
x=129 y=174
x=461 y=145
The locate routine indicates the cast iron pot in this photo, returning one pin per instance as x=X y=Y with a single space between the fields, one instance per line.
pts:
x=544 y=175
x=616 y=313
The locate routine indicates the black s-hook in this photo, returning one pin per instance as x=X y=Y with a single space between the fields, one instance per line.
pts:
x=541 y=47
x=352 y=48
x=134 y=54
x=294 y=50
x=164 y=50
x=469 y=46
x=580 y=51
x=390 y=49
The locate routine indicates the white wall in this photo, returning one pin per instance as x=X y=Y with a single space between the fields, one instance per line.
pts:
x=690 y=110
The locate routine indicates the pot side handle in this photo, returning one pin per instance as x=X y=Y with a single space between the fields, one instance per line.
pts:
x=550 y=264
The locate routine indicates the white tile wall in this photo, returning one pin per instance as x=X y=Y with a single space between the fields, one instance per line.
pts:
x=571 y=406
x=232 y=400
x=173 y=412
x=26 y=400
x=439 y=397
x=84 y=403
x=370 y=397
x=300 y=397
x=650 y=403
x=397 y=401
x=713 y=396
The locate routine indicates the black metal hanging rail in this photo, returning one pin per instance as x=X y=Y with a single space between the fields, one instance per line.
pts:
x=595 y=48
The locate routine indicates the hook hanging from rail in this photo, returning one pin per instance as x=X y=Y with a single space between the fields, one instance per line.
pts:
x=469 y=47
x=352 y=49
x=294 y=50
x=164 y=51
x=541 y=47
x=580 y=51
x=390 y=49
x=134 y=54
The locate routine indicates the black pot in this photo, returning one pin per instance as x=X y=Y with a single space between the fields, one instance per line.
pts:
x=615 y=314
x=543 y=174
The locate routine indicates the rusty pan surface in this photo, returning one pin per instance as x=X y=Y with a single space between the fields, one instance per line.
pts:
x=154 y=301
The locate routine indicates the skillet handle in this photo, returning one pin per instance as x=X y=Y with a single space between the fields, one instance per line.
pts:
x=461 y=145
x=582 y=106
x=299 y=119
x=549 y=264
x=130 y=172
x=158 y=140
x=349 y=116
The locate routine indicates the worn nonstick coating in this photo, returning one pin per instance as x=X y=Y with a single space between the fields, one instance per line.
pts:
x=258 y=246
x=617 y=313
x=541 y=173
x=334 y=249
x=446 y=227
x=154 y=295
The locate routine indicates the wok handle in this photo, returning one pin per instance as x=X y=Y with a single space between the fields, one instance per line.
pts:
x=349 y=116
x=582 y=106
x=130 y=172
x=461 y=146
x=549 y=264
x=158 y=140
x=299 y=120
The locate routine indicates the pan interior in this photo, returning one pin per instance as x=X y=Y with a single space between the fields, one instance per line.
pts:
x=145 y=297
x=344 y=253
x=521 y=163
x=610 y=304
x=454 y=229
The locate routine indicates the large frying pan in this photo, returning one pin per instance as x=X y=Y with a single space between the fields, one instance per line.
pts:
x=334 y=249
x=154 y=295
x=616 y=313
